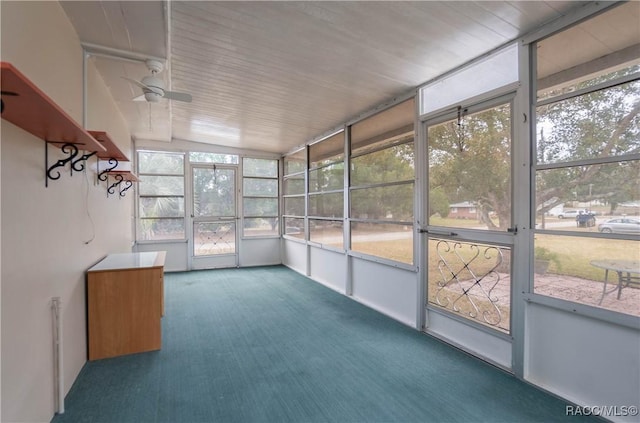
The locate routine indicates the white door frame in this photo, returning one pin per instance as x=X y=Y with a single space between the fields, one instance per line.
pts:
x=485 y=342
x=215 y=260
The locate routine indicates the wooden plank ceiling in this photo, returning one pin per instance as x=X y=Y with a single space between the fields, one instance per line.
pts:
x=270 y=76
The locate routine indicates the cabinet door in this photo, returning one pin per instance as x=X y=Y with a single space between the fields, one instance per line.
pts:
x=124 y=309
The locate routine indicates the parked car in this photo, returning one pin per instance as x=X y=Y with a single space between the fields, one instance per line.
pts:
x=572 y=214
x=568 y=214
x=620 y=226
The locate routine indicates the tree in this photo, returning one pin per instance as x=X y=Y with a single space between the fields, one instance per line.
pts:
x=470 y=160
x=324 y=181
x=599 y=124
x=438 y=202
x=161 y=195
x=393 y=165
x=469 y=157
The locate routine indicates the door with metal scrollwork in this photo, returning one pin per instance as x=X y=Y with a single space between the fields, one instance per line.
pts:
x=469 y=231
x=214 y=217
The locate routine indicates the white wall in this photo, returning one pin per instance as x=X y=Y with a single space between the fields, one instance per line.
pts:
x=329 y=268
x=294 y=255
x=259 y=251
x=45 y=230
x=390 y=290
x=387 y=289
x=587 y=361
x=488 y=345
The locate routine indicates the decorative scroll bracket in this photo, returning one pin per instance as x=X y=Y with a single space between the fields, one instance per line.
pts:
x=104 y=175
x=74 y=159
x=128 y=184
x=112 y=187
x=78 y=165
x=52 y=171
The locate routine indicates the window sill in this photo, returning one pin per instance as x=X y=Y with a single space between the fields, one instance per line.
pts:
x=598 y=313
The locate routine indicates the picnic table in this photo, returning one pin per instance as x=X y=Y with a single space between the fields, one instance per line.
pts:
x=628 y=274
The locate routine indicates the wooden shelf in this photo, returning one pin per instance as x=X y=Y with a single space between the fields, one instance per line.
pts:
x=126 y=175
x=111 y=149
x=28 y=107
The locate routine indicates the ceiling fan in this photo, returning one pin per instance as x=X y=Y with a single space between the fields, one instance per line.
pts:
x=153 y=86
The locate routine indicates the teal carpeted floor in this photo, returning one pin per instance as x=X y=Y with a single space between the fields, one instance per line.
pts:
x=269 y=345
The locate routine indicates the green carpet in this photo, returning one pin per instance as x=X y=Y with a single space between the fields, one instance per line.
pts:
x=268 y=345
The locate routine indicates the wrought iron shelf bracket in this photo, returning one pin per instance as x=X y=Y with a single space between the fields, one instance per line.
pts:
x=128 y=184
x=121 y=183
x=104 y=174
x=74 y=159
x=112 y=188
x=79 y=164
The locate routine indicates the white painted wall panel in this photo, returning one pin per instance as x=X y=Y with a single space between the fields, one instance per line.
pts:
x=390 y=290
x=259 y=252
x=294 y=255
x=329 y=268
x=587 y=361
x=50 y=236
x=483 y=344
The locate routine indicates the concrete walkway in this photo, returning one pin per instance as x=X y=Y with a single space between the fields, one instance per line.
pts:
x=588 y=292
x=570 y=288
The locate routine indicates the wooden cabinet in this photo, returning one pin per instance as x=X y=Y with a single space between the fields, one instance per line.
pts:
x=125 y=304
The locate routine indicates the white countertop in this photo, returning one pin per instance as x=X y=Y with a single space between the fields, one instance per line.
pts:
x=122 y=261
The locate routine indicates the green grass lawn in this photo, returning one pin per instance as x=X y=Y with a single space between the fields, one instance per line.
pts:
x=400 y=249
x=575 y=254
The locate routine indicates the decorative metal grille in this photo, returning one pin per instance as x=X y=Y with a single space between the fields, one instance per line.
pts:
x=473 y=280
x=215 y=238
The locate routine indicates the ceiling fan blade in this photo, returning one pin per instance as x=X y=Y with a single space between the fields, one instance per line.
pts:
x=133 y=81
x=139 y=98
x=172 y=95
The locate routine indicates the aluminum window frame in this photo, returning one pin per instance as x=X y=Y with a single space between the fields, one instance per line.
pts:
x=275 y=197
x=139 y=196
x=530 y=296
x=404 y=138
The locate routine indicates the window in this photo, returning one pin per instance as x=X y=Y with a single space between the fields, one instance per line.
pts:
x=495 y=71
x=160 y=196
x=326 y=191
x=381 y=184
x=260 y=197
x=294 y=192
x=204 y=157
x=587 y=166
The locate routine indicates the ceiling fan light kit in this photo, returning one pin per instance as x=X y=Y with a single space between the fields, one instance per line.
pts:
x=154 y=88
